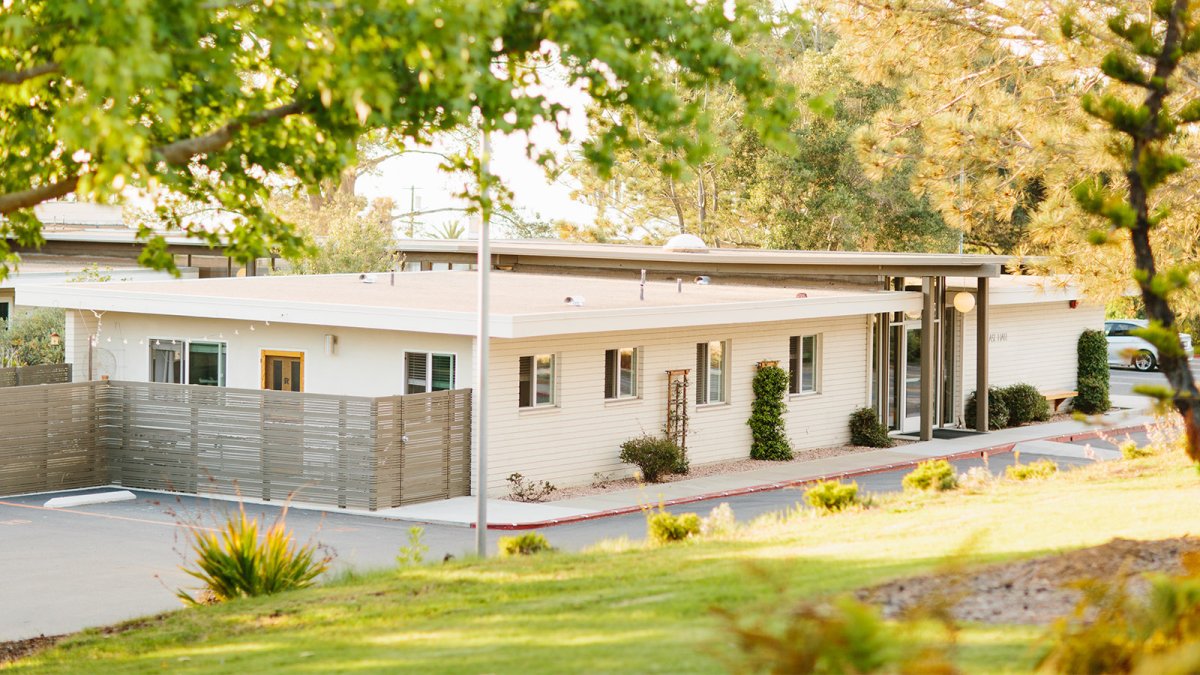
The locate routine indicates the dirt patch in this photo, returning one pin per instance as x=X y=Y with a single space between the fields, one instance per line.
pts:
x=1033 y=591
x=19 y=649
x=603 y=484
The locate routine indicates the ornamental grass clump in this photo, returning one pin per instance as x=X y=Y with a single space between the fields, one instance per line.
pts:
x=526 y=543
x=237 y=562
x=936 y=474
x=665 y=527
x=766 y=415
x=832 y=496
x=1042 y=468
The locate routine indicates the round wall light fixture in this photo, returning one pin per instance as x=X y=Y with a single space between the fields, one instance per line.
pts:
x=964 y=302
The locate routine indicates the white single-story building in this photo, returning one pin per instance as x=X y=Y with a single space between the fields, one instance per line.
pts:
x=580 y=364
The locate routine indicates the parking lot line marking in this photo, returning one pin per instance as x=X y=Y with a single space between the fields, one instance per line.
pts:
x=101 y=515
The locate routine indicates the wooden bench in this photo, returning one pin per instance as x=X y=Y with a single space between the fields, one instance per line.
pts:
x=1056 y=398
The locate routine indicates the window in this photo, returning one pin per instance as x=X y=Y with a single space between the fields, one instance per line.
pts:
x=620 y=373
x=536 y=379
x=426 y=372
x=4 y=311
x=803 y=365
x=181 y=361
x=1120 y=329
x=711 y=368
x=206 y=363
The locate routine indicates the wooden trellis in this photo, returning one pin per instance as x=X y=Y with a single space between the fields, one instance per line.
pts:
x=677 y=414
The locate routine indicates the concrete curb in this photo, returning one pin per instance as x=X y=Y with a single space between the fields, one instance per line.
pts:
x=989 y=451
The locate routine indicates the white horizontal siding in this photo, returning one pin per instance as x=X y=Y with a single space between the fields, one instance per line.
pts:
x=1032 y=343
x=582 y=434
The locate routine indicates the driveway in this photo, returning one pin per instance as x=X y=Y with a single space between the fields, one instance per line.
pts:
x=1123 y=380
x=68 y=569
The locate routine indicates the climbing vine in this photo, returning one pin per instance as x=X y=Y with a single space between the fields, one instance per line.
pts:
x=766 y=415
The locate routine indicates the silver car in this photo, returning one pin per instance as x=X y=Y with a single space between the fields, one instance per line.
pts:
x=1128 y=350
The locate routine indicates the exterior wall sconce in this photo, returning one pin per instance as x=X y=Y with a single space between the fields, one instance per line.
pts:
x=330 y=345
x=55 y=339
x=964 y=302
x=1073 y=304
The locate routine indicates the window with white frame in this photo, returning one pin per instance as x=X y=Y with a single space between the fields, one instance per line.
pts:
x=712 y=368
x=178 y=361
x=426 y=371
x=802 y=364
x=620 y=373
x=536 y=378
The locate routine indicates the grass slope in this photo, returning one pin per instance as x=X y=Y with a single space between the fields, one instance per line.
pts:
x=645 y=609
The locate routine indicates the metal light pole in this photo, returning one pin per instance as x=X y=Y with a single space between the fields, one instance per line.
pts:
x=483 y=268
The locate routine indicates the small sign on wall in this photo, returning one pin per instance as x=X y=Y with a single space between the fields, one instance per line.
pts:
x=997 y=337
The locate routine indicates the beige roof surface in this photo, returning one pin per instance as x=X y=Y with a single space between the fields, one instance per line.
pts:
x=522 y=304
x=512 y=293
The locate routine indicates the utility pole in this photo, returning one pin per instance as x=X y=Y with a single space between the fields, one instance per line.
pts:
x=483 y=269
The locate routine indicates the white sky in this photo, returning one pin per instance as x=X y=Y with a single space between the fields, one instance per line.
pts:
x=532 y=191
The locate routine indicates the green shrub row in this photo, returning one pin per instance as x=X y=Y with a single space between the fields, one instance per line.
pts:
x=1010 y=406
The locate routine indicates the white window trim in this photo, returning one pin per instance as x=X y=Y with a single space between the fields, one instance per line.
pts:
x=185 y=361
x=429 y=368
x=817 y=347
x=637 y=375
x=725 y=388
x=533 y=402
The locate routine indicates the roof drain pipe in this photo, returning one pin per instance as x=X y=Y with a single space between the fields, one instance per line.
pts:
x=484 y=265
x=642 y=290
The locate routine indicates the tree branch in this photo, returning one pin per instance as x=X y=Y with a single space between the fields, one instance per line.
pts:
x=179 y=153
x=19 y=76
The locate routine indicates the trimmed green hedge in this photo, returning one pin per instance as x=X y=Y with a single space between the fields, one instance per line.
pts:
x=997 y=410
x=1092 y=382
x=766 y=415
x=867 y=430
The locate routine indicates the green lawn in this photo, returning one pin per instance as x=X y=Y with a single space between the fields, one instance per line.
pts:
x=645 y=609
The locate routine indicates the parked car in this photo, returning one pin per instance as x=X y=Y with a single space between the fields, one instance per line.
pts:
x=1128 y=350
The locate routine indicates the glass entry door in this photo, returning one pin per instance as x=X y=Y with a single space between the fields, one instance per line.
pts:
x=904 y=377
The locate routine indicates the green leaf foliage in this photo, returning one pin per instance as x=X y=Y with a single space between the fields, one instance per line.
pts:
x=998 y=414
x=212 y=101
x=656 y=456
x=766 y=422
x=1025 y=404
x=866 y=429
x=25 y=338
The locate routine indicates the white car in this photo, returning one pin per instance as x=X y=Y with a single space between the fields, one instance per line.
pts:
x=1127 y=350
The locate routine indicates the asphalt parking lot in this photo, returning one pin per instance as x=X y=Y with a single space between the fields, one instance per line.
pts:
x=67 y=569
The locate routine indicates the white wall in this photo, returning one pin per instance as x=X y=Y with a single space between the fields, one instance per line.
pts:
x=365 y=363
x=581 y=436
x=1034 y=343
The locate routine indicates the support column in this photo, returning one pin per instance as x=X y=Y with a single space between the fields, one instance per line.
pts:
x=928 y=340
x=981 y=355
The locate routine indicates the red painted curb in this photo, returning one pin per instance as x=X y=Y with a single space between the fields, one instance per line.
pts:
x=625 y=510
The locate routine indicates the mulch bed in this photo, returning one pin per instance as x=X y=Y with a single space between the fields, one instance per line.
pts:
x=19 y=649
x=1033 y=591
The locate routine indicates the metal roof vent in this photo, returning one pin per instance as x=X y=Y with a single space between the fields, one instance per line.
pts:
x=685 y=243
x=574 y=300
x=366 y=278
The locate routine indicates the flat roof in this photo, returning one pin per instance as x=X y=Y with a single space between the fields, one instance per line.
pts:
x=522 y=305
x=764 y=260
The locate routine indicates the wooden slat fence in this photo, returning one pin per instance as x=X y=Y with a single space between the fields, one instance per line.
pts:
x=48 y=438
x=347 y=451
x=53 y=373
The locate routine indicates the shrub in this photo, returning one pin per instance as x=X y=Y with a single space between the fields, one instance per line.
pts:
x=842 y=635
x=1092 y=381
x=234 y=562
x=1130 y=450
x=867 y=430
x=527 y=543
x=665 y=527
x=414 y=552
x=766 y=415
x=654 y=455
x=976 y=479
x=1025 y=404
x=719 y=523
x=832 y=495
x=997 y=410
x=522 y=490
x=1042 y=468
x=936 y=474
x=25 y=339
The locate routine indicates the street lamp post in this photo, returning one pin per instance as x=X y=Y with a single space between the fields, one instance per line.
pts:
x=483 y=268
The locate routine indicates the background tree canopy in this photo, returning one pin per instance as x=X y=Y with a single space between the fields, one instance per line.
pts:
x=210 y=101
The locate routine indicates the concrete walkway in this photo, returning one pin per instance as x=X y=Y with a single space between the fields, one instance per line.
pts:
x=1042 y=439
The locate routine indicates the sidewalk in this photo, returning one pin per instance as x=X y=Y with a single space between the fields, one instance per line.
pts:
x=508 y=515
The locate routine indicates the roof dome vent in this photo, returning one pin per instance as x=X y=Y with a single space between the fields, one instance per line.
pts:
x=685 y=243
